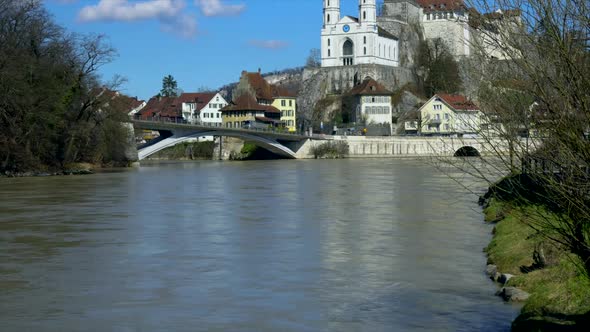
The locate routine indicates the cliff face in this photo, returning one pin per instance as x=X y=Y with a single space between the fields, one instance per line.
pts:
x=329 y=84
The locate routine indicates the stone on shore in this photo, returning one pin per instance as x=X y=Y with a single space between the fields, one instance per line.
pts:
x=513 y=294
x=504 y=277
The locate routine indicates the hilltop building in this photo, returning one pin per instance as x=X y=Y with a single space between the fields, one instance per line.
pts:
x=379 y=40
x=349 y=40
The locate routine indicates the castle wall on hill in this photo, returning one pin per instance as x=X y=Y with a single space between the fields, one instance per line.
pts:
x=456 y=35
x=338 y=80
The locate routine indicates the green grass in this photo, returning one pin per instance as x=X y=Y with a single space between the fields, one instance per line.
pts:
x=560 y=292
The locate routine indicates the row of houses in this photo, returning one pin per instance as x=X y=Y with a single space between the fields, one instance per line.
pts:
x=443 y=114
x=255 y=104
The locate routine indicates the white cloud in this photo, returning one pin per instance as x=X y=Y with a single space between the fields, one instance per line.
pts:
x=268 y=44
x=168 y=12
x=217 y=8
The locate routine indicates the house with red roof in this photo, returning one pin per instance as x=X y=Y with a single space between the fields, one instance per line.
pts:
x=197 y=108
x=261 y=104
x=246 y=112
x=371 y=103
x=202 y=108
x=452 y=115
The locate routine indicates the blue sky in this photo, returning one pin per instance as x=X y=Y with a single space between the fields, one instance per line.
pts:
x=200 y=42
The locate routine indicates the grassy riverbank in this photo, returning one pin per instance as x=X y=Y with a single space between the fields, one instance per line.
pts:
x=559 y=288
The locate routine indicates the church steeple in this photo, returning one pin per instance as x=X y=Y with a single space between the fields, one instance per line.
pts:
x=368 y=11
x=331 y=12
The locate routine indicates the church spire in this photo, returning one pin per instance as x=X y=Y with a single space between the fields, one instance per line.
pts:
x=331 y=12
x=368 y=11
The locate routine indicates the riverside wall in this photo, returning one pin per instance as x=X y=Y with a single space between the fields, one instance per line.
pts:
x=399 y=146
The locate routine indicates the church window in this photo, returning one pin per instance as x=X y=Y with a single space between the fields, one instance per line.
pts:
x=328 y=18
x=328 y=41
x=328 y=53
x=364 y=50
x=364 y=39
x=364 y=15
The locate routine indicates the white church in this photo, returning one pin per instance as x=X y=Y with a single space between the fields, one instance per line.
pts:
x=349 y=41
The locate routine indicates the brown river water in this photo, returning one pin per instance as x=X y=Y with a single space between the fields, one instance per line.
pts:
x=344 y=245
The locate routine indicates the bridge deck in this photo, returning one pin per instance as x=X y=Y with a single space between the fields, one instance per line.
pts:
x=156 y=125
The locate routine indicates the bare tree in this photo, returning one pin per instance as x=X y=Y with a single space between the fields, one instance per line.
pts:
x=533 y=78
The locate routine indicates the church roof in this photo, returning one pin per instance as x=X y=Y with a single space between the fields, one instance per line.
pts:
x=369 y=87
x=441 y=5
x=355 y=19
x=384 y=33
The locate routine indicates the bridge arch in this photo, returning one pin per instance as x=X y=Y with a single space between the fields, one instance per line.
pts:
x=266 y=143
x=467 y=151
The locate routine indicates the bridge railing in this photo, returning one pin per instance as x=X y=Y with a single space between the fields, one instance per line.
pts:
x=217 y=125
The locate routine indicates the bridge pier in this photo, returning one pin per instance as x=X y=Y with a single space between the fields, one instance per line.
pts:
x=224 y=147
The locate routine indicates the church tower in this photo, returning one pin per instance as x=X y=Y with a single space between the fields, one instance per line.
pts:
x=367 y=12
x=331 y=12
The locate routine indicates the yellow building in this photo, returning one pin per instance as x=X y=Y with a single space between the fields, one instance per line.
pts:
x=267 y=94
x=245 y=112
x=446 y=114
x=288 y=106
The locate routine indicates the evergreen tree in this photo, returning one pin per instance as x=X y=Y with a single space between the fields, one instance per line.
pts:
x=169 y=87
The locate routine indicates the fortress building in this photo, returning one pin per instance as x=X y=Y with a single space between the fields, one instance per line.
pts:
x=383 y=43
x=390 y=38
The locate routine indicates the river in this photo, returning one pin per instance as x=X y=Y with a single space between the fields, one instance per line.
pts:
x=343 y=245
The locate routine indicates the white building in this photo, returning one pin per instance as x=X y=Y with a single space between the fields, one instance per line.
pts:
x=202 y=108
x=447 y=20
x=453 y=115
x=371 y=103
x=348 y=41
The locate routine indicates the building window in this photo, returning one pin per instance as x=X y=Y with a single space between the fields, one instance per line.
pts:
x=283 y=103
x=364 y=39
x=428 y=17
x=364 y=50
x=328 y=18
x=328 y=41
x=446 y=127
x=364 y=15
x=446 y=116
x=290 y=103
x=328 y=53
